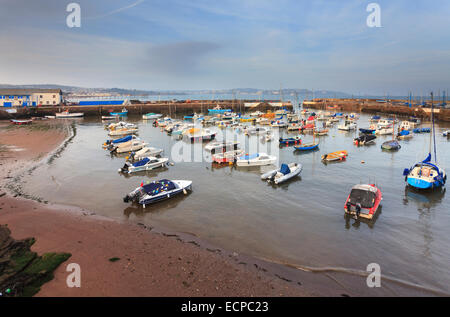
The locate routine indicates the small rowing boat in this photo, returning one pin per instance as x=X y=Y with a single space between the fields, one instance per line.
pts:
x=67 y=115
x=335 y=156
x=21 y=122
x=290 y=141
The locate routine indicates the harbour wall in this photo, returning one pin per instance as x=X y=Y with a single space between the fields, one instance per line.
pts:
x=138 y=108
x=394 y=107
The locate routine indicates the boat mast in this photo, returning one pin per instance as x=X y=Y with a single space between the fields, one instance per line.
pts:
x=432 y=118
x=432 y=129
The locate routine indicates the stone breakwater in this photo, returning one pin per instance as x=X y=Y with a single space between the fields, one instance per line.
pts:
x=139 y=108
x=397 y=108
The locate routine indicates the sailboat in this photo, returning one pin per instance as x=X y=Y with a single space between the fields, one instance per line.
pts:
x=425 y=174
x=393 y=144
x=308 y=146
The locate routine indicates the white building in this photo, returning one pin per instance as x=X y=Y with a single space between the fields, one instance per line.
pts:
x=30 y=97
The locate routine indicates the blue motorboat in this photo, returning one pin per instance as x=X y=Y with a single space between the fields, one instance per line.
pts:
x=218 y=111
x=290 y=141
x=123 y=113
x=422 y=130
x=367 y=131
x=157 y=191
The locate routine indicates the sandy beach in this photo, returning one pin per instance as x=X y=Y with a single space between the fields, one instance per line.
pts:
x=149 y=263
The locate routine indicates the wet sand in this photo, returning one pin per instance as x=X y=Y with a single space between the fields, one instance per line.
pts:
x=150 y=263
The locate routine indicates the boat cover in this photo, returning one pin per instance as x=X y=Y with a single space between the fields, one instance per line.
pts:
x=404 y=132
x=157 y=187
x=141 y=162
x=125 y=139
x=391 y=144
x=285 y=169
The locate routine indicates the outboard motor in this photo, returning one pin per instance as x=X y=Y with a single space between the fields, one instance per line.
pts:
x=358 y=209
x=349 y=206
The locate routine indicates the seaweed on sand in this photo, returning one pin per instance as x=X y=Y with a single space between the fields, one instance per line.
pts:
x=23 y=272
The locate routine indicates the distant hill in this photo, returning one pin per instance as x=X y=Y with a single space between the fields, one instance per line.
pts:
x=74 y=90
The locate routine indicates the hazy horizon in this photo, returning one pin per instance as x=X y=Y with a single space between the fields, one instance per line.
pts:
x=205 y=45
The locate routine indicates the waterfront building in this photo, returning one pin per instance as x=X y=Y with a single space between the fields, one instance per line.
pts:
x=30 y=97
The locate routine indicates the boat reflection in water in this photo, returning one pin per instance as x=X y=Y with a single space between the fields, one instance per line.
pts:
x=350 y=220
x=424 y=199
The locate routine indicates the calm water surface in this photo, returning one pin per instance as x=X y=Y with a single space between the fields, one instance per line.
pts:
x=300 y=222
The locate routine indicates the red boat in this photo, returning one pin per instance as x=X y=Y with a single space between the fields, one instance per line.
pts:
x=363 y=201
x=20 y=122
x=309 y=126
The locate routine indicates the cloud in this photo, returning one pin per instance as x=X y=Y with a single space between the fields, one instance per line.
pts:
x=182 y=58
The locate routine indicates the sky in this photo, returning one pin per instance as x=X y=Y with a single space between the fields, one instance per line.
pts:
x=212 y=44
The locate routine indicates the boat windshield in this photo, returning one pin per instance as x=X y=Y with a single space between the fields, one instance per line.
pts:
x=363 y=197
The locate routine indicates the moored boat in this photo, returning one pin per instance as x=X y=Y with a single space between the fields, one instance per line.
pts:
x=391 y=145
x=223 y=146
x=122 y=131
x=258 y=159
x=151 y=116
x=284 y=173
x=364 y=139
x=143 y=153
x=363 y=201
x=290 y=141
x=21 y=122
x=146 y=164
x=427 y=175
x=122 y=113
x=158 y=191
x=335 y=156
x=227 y=157
x=130 y=146
x=67 y=115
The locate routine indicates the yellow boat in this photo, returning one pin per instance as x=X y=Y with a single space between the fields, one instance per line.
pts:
x=335 y=156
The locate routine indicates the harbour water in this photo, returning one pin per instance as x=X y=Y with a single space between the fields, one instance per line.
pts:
x=300 y=222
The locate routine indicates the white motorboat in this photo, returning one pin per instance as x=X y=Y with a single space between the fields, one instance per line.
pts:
x=227 y=157
x=222 y=146
x=151 y=116
x=130 y=146
x=347 y=126
x=384 y=130
x=258 y=130
x=284 y=173
x=158 y=191
x=66 y=114
x=258 y=159
x=119 y=125
x=145 y=152
x=122 y=131
x=196 y=135
x=146 y=164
